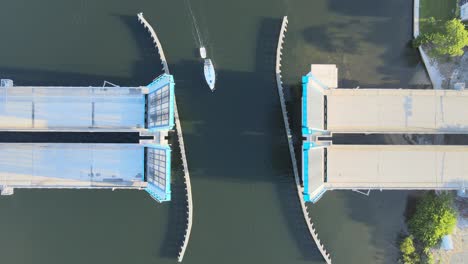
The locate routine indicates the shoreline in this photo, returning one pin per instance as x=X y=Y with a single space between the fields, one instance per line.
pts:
x=432 y=67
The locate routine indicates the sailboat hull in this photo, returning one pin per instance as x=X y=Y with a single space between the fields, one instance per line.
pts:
x=210 y=74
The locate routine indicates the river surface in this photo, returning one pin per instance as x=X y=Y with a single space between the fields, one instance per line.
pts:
x=246 y=208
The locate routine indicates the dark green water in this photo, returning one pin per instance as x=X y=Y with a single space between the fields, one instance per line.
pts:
x=246 y=210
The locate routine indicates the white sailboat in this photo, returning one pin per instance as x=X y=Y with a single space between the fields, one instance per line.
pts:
x=210 y=75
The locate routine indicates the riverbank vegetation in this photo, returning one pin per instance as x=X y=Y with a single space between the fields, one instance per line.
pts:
x=444 y=38
x=408 y=251
x=440 y=29
x=437 y=10
x=433 y=218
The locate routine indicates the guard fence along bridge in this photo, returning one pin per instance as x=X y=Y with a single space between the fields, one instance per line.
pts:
x=327 y=110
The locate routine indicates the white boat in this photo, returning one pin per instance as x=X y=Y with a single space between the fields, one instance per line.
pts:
x=210 y=75
x=202 y=52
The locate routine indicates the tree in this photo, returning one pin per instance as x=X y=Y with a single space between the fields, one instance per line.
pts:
x=447 y=39
x=452 y=39
x=434 y=218
x=431 y=26
x=408 y=251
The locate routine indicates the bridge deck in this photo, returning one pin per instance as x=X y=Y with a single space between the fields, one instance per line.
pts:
x=72 y=108
x=379 y=110
x=72 y=165
x=327 y=110
x=388 y=167
x=397 y=110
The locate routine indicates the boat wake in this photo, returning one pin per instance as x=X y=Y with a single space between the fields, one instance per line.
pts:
x=198 y=37
x=208 y=67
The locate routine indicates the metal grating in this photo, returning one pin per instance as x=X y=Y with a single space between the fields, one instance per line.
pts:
x=158 y=107
x=156 y=167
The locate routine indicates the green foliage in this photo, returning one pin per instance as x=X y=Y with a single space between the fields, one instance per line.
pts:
x=440 y=10
x=451 y=39
x=423 y=39
x=432 y=26
x=434 y=218
x=407 y=246
x=408 y=251
x=447 y=38
x=427 y=258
